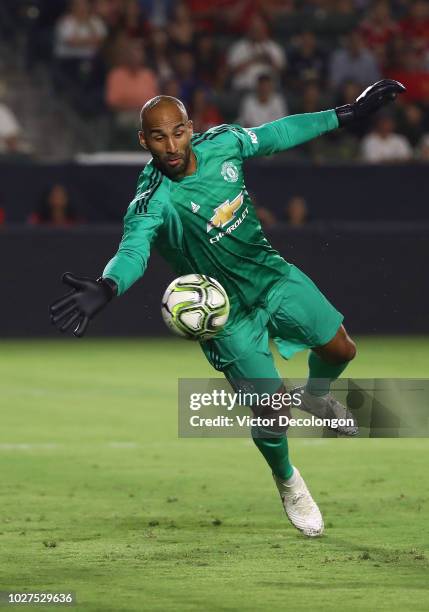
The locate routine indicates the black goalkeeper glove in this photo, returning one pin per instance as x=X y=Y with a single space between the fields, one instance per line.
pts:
x=79 y=306
x=373 y=98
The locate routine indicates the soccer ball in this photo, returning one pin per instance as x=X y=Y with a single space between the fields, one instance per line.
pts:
x=195 y=306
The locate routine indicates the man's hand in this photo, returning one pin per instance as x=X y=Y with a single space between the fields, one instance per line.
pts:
x=79 y=306
x=373 y=98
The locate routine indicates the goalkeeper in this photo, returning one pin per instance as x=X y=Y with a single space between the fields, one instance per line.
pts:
x=192 y=205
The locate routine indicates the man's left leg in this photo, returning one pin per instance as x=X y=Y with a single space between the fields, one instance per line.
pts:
x=326 y=363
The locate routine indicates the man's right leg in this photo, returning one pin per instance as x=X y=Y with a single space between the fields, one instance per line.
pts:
x=246 y=361
x=298 y=504
x=248 y=364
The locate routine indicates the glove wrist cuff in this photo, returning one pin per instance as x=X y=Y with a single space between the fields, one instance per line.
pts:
x=345 y=114
x=110 y=287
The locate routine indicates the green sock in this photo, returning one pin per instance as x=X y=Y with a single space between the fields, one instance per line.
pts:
x=275 y=451
x=322 y=374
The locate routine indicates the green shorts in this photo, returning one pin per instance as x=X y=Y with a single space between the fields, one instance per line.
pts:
x=294 y=313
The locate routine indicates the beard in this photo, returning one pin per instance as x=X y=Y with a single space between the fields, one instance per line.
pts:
x=173 y=172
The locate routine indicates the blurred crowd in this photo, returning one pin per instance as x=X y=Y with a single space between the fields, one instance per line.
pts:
x=55 y=208
x=243 y=61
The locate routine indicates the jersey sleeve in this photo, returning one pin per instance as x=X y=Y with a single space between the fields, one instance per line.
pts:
x=283 y=133
x=143 y=219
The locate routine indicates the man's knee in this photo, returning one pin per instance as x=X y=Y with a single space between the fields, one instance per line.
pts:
x=341 y=349
x=347 y=352
x=344 y=353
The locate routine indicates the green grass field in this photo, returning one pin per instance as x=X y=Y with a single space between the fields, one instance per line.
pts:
x=100 y=497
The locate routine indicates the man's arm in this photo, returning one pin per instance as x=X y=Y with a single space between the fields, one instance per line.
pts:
x=288 y=132
x=294 y=130
x=89 y=296
x=130 y=261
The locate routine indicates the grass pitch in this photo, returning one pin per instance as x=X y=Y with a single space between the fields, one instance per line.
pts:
x=100 y=497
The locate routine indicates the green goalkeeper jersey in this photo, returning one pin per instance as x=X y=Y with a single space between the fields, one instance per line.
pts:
x=205 y=223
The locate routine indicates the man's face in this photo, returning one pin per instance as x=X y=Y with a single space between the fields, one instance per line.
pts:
x=167 y=135
x=265 y=88
x=258 y=31
x=385 y=126
x=355 y=43
x=134 y=55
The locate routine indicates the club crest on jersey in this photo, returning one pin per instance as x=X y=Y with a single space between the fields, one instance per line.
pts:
x=225 y=212
x=229 y=172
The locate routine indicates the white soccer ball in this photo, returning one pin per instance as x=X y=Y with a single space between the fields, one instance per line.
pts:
x=195 y=306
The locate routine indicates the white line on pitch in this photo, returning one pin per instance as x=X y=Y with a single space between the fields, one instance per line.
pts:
x=28 y=446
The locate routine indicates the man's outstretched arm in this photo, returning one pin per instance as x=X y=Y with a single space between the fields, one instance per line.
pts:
x=89 y=296
x=294 y=130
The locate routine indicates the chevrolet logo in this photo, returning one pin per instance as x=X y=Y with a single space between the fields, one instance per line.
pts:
x=225 y=212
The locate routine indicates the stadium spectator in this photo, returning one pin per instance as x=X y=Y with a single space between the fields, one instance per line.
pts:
x=10 y=131
x=273 y=10
x=159 y=56
x=235 y=16
x=157 y=12
x=266 y=217
x=132 y=22
x=423 y=149
x=185 y=71
x=354 y=62
x=415 y=26
x=110 y=11
x=311 y=99
x=225 y=16
x=347 y=94
x=128 y=87
x=254 y=55
x=170 y=87
x=330 y=18
x=204 y=14
x=181 y=28
x=132 y=83
x=411 y=72
x=378 y=27
x=40 y=34
x=383 y=145
x=208 y=59
x=203 y=112
x=264 y=105
x=296 y=211
x=185 y=43
x=412 y=122
x=78 y=35
x=55 y=209
x=306 y=61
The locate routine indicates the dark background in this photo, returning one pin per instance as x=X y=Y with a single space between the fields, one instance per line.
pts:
x=102 y=193
x=374 y=273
